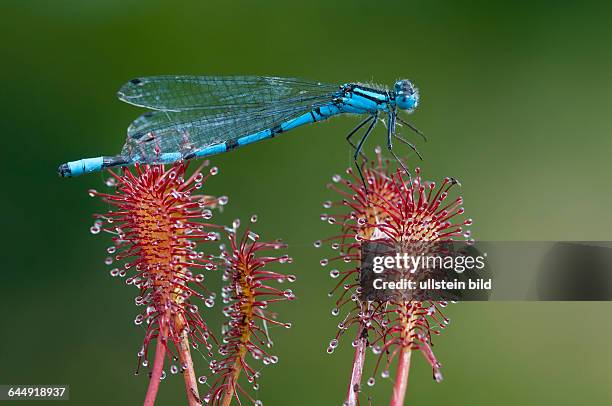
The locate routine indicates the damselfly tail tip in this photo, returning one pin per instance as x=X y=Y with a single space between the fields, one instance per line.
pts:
x=64 y=171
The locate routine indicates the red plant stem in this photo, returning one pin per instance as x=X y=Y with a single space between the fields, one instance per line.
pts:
x=401 y=378
x=403 y=364
x=231 y=388
x=352 y=396
x=191 y=386
x=158 y=366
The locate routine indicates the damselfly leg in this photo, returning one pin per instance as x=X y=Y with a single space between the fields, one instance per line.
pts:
x=413 y=128
x=411 y=145
x=390 y=135
x=359 y=147
x=353 y=131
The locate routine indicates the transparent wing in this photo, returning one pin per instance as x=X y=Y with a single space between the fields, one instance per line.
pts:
x=220 y=93
x=160 y=132
x=158 y=121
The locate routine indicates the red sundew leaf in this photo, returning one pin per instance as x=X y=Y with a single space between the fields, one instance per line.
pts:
x=247 y=297
x=156 y=235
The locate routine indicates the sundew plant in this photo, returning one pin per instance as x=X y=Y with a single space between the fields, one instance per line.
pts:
x=252 y=287
x=160 y=222
x=166 y=244
x=400 y=209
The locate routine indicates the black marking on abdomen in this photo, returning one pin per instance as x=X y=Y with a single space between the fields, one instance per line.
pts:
x=189 y=155
x=136 y=81
x=317 y=110
x=231 y=144
x=109 y=161
x=277 y=129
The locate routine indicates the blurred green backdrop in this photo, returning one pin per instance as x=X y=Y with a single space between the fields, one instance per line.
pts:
x=516 y=104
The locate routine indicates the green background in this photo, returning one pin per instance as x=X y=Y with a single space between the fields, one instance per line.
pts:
x=516 y=104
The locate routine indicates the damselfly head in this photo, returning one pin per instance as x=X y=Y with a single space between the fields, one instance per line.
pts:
x=406 y=95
